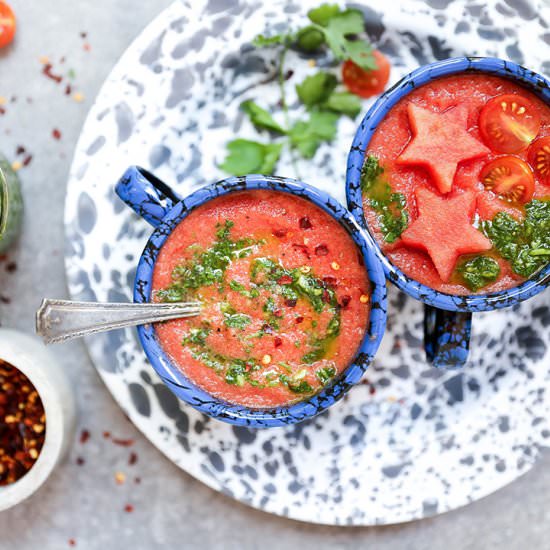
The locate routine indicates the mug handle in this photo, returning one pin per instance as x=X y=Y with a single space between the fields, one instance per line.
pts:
x=446 y=337
x=148 y=196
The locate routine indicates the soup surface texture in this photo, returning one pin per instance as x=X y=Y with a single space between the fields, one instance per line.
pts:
x=284 y=292
x=456 y=184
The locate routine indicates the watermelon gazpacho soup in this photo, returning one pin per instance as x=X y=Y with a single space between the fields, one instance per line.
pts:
x=284 y=292
x=456 y=184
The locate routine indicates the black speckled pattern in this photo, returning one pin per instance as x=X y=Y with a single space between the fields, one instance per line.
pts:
x=409 y=441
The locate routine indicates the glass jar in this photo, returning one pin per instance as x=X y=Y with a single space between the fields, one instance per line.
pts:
x=11 y=205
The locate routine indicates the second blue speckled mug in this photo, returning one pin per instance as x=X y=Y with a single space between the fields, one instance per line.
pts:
x=447 y=318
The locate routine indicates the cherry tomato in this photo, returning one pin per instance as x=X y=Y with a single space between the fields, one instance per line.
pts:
x=510 y=178
x=7 y=24
x=539 y=157
x=366 y=83
x=509 y=123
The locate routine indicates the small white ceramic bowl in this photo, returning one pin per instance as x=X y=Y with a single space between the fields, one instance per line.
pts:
x=36 y=362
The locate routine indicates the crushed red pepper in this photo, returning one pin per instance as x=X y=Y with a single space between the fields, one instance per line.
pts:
x=22 y=424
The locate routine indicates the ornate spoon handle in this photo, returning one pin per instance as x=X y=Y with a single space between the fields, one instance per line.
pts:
x=62 y=320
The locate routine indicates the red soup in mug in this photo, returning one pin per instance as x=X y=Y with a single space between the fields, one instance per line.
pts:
x=284 y=292
x=456 y=184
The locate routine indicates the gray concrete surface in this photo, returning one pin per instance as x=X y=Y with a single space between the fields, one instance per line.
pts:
x=171 y=510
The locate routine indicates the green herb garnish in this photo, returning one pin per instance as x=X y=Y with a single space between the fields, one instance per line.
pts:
x=325 y=375
x=390 y=207
x=250 y=157
x=206 y=268
x=479 y=272
x=526 y=245
x=343 y=33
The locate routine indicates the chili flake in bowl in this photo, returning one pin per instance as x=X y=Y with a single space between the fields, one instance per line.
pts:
x=22 y=424
x=36 y=416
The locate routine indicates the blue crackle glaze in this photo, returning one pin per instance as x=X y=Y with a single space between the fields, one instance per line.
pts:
x=160 y=206
x=455 y=350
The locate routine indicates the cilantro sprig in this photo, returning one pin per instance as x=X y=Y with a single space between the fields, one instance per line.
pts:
x=342 y=33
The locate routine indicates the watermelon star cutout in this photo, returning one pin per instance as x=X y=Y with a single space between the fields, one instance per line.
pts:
x=441 y=141
x=444 y=229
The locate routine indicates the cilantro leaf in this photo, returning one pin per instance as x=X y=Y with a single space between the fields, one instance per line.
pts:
x=343 y=102
x=265 y=41
x=323 y=14
x=341 y=29
x=309 y=39
x=249 y=157
x=260 y=117
x=316 y=88
x=306 y=136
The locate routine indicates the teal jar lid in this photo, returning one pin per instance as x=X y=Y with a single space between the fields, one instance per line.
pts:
x=11 y=205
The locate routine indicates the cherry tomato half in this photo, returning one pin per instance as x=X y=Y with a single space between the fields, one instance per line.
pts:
x=366 y=83
x=539 y=157
x=7 y=24
x=510 y=178
x=509 y=123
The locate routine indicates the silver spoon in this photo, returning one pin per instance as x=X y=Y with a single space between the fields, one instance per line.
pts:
x=62 y=320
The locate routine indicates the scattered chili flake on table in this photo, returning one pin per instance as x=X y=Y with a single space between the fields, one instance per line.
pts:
x=132 y=459
x=22 y=424
x=128 y=508
x=123 y=442
x=84 y=436
x=120 y=478
x=47 y=70
x=56 y=133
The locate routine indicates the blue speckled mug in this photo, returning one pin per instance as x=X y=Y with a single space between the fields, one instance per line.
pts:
x=163 y=209
x=447 y=318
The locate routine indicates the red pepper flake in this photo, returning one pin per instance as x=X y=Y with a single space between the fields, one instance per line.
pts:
x=345 y=301
x=278 y=342
x=47 y=70
x=68 y=89
x=278 y=313
x=106 y=435
x=123 y=442
x=128 y=508
x=299 y=320
x=321 y=250
x=22 y=424
x=2 y=110
x=285 y=280
x=27 y=160
x=372 y=390
x=132 y=459
x=291 y=303
x=20 y=150
x=72 y=542
x=84 y=436
x=87 y=47
x=303 y=248
x=330 y=281
x=80 y=461
x=305 y=223
x=56 y=134
x=280 y=233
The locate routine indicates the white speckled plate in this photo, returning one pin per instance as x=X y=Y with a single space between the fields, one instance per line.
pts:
x=409 y=442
